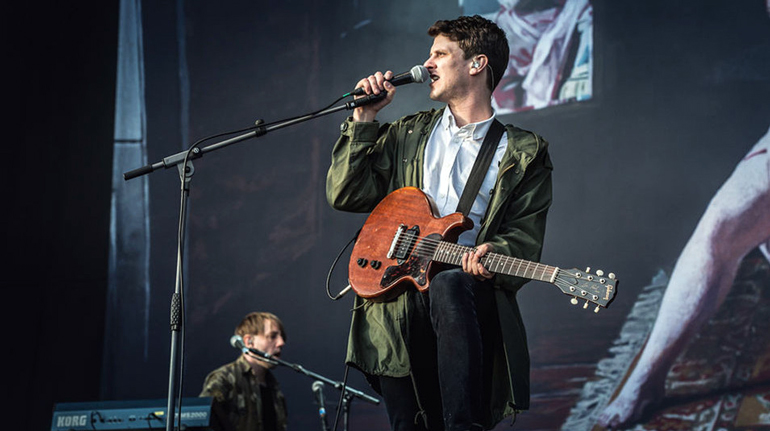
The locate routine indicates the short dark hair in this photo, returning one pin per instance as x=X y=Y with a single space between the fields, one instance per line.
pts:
x=477 y=35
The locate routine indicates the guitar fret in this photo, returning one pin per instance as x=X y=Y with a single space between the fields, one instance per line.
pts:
x=546 y=271
x=437 y=252
x=510 y=268
x=458 y=254
x=534 y=270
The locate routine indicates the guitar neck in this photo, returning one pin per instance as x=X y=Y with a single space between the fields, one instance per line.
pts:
x=452 y=254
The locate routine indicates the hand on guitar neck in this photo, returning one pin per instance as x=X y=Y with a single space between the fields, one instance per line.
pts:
x=471 y=261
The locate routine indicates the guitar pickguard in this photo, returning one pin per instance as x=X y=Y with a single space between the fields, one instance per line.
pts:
x=415 y=266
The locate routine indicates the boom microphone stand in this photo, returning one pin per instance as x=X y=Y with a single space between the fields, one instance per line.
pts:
x=183 y=162
x=237 y=342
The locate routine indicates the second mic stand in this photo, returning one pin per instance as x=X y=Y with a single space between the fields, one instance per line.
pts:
x=347 y=396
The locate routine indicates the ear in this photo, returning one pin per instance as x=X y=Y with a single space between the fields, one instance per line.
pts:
x=478 y=64
x=248 y=339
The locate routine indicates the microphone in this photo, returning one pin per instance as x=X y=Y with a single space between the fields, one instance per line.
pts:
x=318 y=390
x=237 y=342
x=366 y=100
x=416 y=74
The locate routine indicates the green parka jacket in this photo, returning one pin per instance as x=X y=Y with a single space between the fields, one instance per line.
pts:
x=369 y=161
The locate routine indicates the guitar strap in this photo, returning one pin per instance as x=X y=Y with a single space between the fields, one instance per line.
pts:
x=480 y=167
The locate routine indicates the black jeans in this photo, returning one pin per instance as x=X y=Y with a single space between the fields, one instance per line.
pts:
x=446 y=353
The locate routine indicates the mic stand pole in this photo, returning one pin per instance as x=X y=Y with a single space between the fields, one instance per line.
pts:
x=349 y=392
x=346 y=400
x=185 y=173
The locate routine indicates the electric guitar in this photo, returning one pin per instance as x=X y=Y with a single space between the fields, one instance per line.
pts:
x=403 y=243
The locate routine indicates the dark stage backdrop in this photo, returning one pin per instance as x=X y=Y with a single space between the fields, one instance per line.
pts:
x=680 y=93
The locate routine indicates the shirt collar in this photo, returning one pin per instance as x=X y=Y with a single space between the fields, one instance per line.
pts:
x=244 y=365
x=246 y=368
x=478 y=130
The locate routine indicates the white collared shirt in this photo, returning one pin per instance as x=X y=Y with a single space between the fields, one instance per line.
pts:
x=449 y=157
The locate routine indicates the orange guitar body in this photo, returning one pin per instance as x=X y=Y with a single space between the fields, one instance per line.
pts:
x=375 y=275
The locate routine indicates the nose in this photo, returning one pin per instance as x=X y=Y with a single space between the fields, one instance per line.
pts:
x=429 y=62
x=280 y=342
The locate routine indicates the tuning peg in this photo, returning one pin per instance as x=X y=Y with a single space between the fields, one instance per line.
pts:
x=596 y=310
x=611 y=276
x=588 y=269
x=599 y=272
x=573 y=301
x=585 y=305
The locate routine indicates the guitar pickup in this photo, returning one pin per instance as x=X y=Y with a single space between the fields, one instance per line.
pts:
x=396 y=238
x=403 y=242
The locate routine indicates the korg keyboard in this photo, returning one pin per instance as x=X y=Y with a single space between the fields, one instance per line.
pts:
x=129 y=415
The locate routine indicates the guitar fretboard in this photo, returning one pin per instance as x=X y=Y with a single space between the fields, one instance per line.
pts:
x=447 y=252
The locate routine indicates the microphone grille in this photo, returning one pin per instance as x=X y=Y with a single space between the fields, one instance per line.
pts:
x=420 y=73
x=235 y=340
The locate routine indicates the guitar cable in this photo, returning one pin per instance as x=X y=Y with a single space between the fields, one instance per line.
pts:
x=334 y=265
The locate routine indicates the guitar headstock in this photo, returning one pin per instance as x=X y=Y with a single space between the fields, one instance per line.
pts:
x=596 y=288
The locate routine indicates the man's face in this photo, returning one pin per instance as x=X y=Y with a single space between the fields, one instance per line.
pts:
x=269 y=341
x=449 y=70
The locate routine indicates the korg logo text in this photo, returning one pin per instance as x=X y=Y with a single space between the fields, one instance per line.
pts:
x=71 y=421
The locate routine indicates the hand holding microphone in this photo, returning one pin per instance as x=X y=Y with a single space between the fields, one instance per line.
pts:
x=380 y=88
